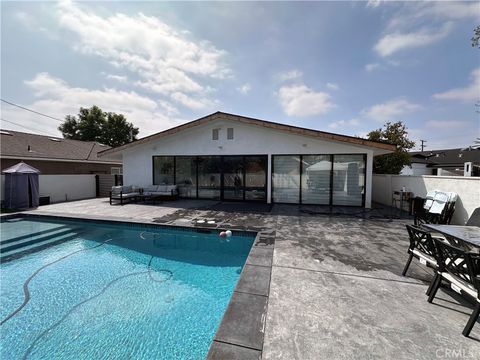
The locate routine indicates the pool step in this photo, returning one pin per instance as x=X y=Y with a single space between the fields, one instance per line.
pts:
x=37 y=243
x=27 y=236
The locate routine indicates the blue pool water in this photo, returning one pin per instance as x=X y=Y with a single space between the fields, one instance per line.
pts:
x=116 y=291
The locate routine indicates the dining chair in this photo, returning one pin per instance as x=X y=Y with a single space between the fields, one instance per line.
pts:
x=421 y=247
x=460 y=269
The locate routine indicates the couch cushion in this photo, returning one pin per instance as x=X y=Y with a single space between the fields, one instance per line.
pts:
x=116 y=190
x=127 y=189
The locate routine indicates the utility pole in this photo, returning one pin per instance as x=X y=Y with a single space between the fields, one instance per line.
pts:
x=423 y=144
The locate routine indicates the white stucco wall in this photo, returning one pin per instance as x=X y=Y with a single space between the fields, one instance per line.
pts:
x=467 y=188
x=248 y=140
x=67 y=187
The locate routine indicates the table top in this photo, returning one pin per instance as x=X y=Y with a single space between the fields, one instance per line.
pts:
x=469 y=234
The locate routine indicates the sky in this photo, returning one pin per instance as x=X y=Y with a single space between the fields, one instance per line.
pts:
x=342 y=67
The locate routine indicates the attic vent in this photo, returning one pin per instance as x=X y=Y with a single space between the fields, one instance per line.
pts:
x=230 y=133
x=53 y=139
x=3 y=132
x=215 y=134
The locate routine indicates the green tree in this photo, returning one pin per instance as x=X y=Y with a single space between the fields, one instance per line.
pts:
x=393 y=133
x=93 y=124
x=476 y=37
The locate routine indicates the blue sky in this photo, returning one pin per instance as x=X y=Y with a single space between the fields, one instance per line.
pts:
x=344 y=67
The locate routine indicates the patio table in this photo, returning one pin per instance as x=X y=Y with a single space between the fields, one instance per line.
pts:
x=467 y=234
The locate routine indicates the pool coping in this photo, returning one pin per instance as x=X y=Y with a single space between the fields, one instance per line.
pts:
x=242 y=327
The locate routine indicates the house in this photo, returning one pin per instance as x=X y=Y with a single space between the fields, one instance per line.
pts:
x=236 y=158
x=448 y=162
x=52 y=155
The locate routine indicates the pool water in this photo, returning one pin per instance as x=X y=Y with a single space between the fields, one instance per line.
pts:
x=116 y=291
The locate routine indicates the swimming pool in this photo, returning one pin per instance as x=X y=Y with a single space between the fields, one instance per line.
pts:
x=123 y=291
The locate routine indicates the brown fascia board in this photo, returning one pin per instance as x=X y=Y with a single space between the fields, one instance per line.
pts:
x=264 y=123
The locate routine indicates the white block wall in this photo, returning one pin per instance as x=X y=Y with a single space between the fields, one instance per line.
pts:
x=467 y=188
x=62 y=188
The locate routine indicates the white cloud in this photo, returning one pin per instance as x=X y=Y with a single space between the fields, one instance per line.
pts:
x=119 y=78
x=397 y=41
x=333 y=86
x=57 y=98
x=351 y=122
x=192 y=103
x=289 y=75
x=166 y=60
x=391 y=109
x=300 y=100
x=372 y=66
x=444 y=124
x=244 y=89
x=466 y=94
x=373 y=3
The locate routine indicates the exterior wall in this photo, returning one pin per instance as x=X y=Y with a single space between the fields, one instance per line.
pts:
x=416 y=169
x=467 y=188
x=248 y=140
x=63 y=187
x=67 y=187
x=59 y=167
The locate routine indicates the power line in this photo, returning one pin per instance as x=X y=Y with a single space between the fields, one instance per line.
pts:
x=33 y=111
x=25 y=127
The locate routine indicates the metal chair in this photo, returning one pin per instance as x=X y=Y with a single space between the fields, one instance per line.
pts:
x=421 y=247
x=460 y=268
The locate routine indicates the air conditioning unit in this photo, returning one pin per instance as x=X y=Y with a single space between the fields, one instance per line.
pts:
x=467 y=169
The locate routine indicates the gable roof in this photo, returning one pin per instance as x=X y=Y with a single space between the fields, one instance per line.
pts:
x=263 y=123
x=16 y=144
x=446 y=157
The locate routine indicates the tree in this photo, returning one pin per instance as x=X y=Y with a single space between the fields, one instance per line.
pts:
x=393 y=133
x=96 y=125
x=476 y=37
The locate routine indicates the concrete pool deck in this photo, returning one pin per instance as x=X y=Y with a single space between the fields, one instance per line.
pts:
x=336 y=290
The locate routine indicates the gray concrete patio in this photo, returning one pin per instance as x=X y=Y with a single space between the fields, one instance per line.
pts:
x=336 y=290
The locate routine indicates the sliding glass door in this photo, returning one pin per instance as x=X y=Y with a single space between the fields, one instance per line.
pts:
x=233 y=178
x=256 y=168
x=209 y=177
x=316 y=170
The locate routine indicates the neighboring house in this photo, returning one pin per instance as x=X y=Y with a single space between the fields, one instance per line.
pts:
x=448 y=162
x=230 y=157
x=52 y=155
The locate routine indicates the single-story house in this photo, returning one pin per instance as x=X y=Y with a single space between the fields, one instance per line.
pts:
x=53 y=156
x=447 y=162
x=230 y=157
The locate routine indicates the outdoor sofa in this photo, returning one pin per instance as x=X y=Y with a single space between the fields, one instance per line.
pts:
x=169 y=191
x=124 y=193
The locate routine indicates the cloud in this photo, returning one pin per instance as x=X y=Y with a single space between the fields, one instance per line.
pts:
x=57 y=98
x=119 y=78
x=167 y=61
x=444 y=124
x=300 y=100
x=289 y=75
x=333 y=86
x=373 y=3
x=394 y=42
x=244 y=89
x=192 y=103
x=466 y=94
x=351 y=122
x=391 y=109
x=372 y=66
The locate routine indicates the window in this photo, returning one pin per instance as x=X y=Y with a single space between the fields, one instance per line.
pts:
x=286 y=179
x=230 y=133
x=209 y=177
x=348 y=180
x=163 y=170
x=215 y=134
x=116 y=171
x=186 y=176
x=316 y=170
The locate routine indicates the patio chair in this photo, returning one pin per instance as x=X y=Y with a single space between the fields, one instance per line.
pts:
x=123 y=193
x=438 y=208
x=474 y=219
x=421 y=247
x=459 y=268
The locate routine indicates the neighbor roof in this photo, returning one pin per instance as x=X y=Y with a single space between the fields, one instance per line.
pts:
x=15 y=144
x=446 y=157
x=263 y=123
